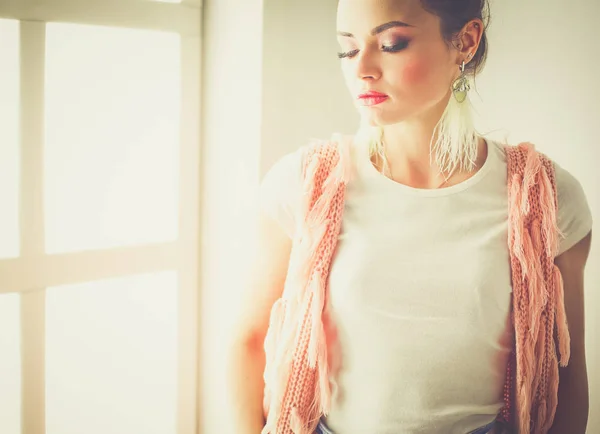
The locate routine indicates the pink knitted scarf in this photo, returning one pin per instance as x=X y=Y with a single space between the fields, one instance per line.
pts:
x=297 y=391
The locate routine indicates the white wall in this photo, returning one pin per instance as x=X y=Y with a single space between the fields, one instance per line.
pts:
x=541 y=85
x=304 y=94
x=231 y=122
x=272 y=81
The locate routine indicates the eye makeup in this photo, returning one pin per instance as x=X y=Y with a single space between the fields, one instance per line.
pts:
x=393 y=47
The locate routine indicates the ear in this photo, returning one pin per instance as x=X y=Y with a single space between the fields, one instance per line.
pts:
x=467 y=41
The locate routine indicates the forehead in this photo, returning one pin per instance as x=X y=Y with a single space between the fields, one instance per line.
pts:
x=360 y=16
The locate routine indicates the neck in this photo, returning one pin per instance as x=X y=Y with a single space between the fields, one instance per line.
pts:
x=408 y=150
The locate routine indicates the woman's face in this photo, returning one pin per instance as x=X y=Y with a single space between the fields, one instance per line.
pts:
x=396 y=48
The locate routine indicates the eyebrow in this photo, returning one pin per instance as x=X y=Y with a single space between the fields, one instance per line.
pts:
x=380 y=28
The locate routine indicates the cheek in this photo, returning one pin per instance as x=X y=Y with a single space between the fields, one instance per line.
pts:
x=349 y=75
x=416 y=73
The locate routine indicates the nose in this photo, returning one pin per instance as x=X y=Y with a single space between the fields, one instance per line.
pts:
x=367 y=66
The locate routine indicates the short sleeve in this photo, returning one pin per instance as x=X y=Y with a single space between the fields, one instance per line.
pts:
x=281 y=191
x=574 y=215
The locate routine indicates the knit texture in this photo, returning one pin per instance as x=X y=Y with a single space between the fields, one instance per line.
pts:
x=297 y=390
x=296 y=375
x=538 y=310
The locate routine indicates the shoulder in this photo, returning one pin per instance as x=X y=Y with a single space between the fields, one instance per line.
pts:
x=286 y=166
x=574 y=216
x=280 y=189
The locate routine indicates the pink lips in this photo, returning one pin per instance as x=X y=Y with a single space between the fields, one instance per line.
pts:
x=371 y=98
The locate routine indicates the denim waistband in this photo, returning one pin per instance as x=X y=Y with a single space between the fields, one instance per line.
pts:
x=322 y=429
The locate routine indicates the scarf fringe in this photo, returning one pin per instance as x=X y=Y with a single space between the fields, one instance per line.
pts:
x=564 y=338
x=538 y=298
x=297 y=386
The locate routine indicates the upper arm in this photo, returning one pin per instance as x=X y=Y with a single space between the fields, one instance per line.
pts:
x=280 y=192
x=574 y=220
x=572 y=266
x=573 y=392
x=574 y=216
x=267 y=278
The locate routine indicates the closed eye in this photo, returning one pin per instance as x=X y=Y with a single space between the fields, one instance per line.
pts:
x=386 y=48
x=346 y=54
x=395 y=48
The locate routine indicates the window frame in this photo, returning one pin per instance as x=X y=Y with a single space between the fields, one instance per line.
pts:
x=33 y=270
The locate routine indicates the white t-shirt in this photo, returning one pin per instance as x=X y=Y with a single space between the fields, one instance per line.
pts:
x=420 y=294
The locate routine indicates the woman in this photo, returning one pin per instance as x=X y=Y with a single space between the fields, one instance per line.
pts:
x=419 y=288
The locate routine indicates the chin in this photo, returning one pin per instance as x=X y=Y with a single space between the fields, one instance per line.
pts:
x=379 y=117
x=377 y=120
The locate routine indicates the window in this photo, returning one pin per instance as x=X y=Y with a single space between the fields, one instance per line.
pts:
x=99 y=112
x=9 y=137
x=112 y=356
x=111 y=155
x=10 y=364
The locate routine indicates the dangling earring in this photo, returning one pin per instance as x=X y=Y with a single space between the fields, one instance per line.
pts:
x=457 y=139
x=461 y=85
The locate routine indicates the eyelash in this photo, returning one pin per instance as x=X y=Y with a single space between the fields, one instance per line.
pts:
x=388 y=49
